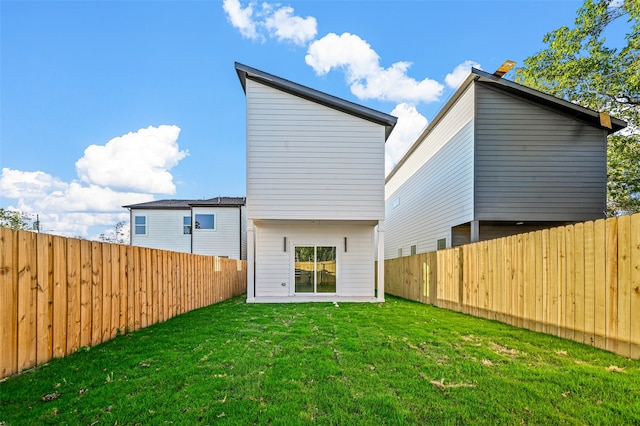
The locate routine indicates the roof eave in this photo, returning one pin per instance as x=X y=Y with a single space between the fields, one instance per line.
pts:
x=585 y=114
x=477 y=74
x=246 y=72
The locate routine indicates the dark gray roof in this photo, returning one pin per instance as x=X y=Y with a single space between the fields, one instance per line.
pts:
x=187 y=204
x=572 y=110
x=219 y=201
x=576 y=111
x=245 y=72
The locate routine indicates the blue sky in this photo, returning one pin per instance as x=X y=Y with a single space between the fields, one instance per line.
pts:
x=107 y=103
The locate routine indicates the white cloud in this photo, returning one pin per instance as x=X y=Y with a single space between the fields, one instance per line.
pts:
x=91 y=198
x=283 y=25
x=138 y=161
x=409 y=126
x=126 y=170
x=455 y=78
x=272 y=20
x=19 y=184
x=367 y=79
x=240 y=18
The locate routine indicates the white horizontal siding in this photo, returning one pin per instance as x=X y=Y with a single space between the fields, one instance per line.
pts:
x=308 y=161
x=164 y=230
x=435 y=198
x=274 y=266
x=535 y=164
x=224 y=240
x=458 y=116
x=433 y=188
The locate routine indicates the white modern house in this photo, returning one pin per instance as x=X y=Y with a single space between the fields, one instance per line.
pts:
x=497 y=160
x=214 y=227
x=315 y=193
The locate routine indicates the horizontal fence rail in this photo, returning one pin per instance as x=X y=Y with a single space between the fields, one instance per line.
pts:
x=60 y=294
x=580 y=282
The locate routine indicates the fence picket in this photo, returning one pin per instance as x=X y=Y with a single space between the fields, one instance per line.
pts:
x=569 y=285
x=528 y=265
x=611 y=284
x=8 y=303
x=623 y=313
x=96 y=293
x=44 y=279
x=539 y=283
x=579 y=259
x=635 y=286
x=27 y=304
x=107 y=293
x=590 y=283
x=86 y=269
x=600 y=283
x=73 y=295
x=115 y=289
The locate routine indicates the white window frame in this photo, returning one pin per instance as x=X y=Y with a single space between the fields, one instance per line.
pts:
x=135 y=224
x=195 y=221
x=184 y=225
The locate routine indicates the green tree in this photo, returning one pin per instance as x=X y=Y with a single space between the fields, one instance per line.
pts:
x=14 y=219
x=578 y=65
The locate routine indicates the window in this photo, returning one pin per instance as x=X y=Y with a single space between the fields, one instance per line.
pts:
x=414 y=249
x=186 y=225
x=442 y=243
x=315 y=269
x=205 y=221
x=140 y=225
x=400 y=252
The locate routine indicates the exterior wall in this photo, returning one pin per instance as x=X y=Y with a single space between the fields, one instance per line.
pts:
x=308 y=161
x=164 y=230
x=489 y=231
x=224 y=240
x=433 y=189
x=243 y=230
x=274 y=266
x=534 y=164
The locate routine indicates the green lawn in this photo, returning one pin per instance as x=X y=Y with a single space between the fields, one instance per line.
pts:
x=394 y=363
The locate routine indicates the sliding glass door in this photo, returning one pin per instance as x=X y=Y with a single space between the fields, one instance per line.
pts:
x=315 y=269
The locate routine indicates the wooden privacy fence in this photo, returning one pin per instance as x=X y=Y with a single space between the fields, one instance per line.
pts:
x=580 y=282
x=60 y=294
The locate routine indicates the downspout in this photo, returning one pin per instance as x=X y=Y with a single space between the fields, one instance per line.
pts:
x=240 y=232
x=191 y=229
x=130 y=227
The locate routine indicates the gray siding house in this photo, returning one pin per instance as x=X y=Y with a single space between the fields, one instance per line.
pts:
x=497 y=160
x=214 y=227
x=315 y=193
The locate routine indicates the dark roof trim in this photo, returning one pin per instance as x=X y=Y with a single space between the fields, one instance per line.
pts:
x=576 y=111
x=188 y=204
x=572 y=110
x=245 y=72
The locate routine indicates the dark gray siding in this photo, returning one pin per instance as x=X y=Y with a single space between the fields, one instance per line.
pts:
x=461 y=235
x=535 y=164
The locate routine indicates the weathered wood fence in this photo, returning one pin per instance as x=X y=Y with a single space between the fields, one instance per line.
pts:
x=580 y=282
x=60 y=294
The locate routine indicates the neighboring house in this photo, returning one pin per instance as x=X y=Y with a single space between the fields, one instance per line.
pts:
x=315 y=193
x=498 y=159
x=214 y=227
